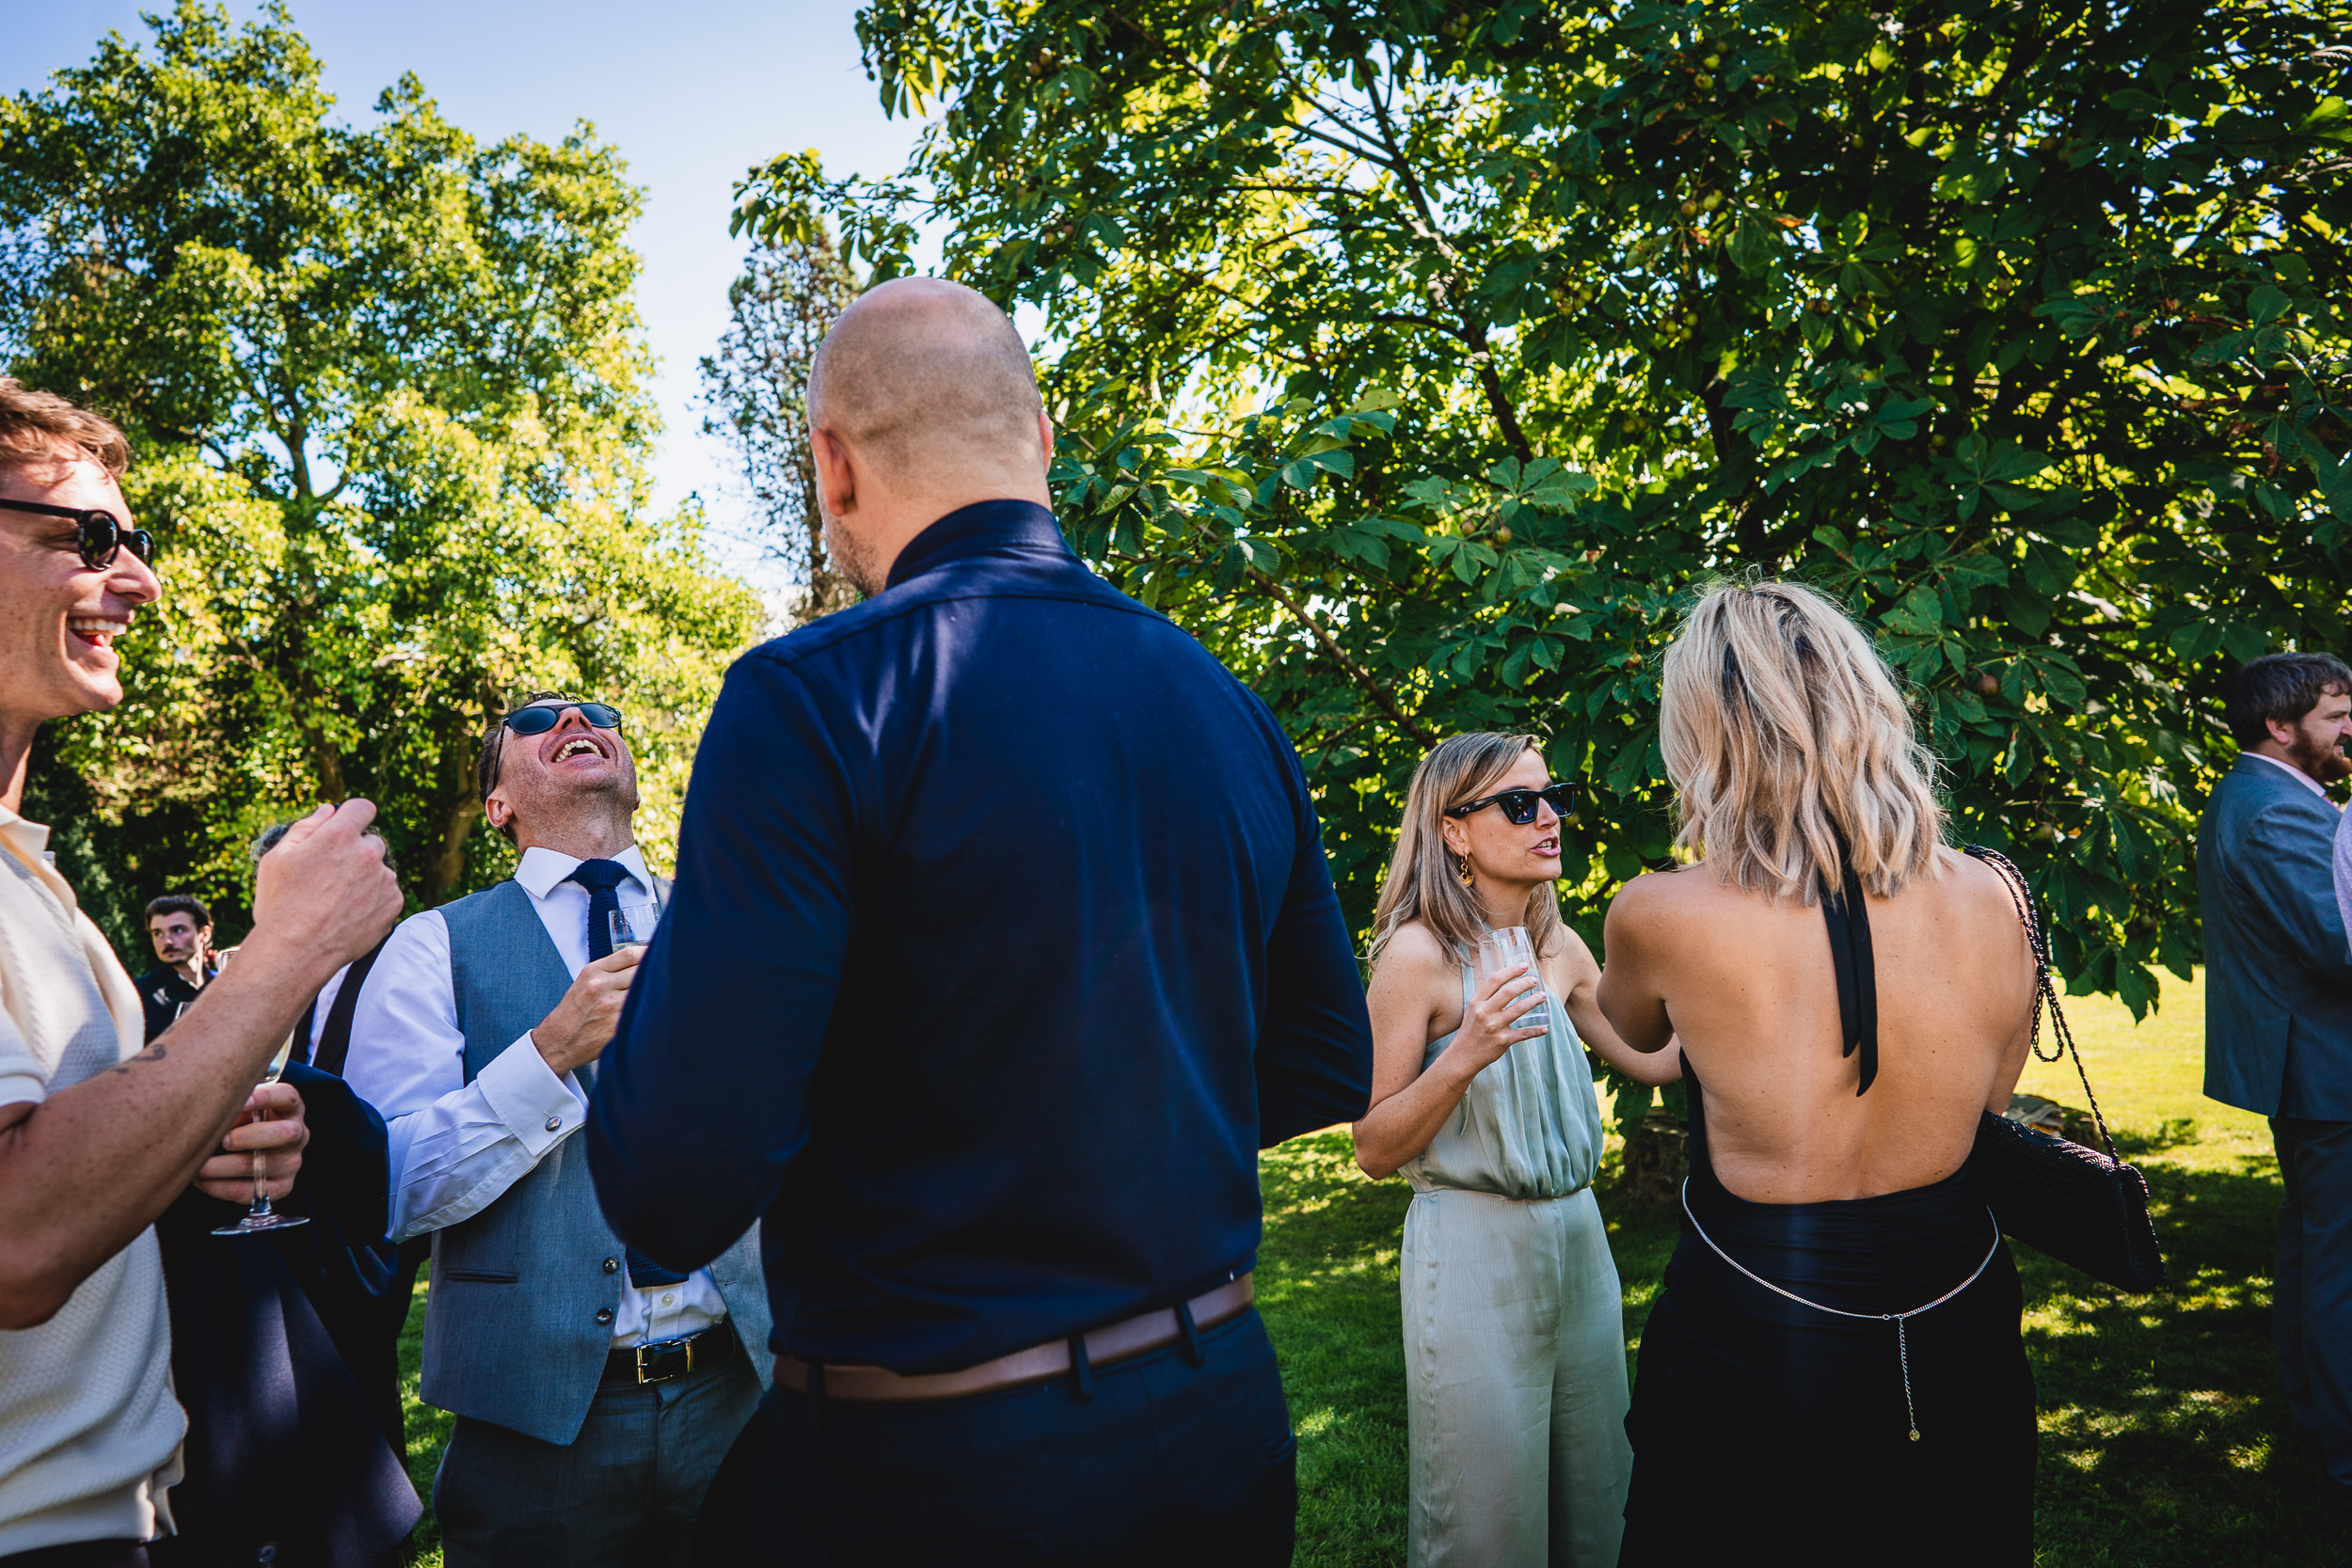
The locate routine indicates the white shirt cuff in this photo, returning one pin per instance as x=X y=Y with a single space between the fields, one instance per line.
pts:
x=21 y=1088
x=539 y=1108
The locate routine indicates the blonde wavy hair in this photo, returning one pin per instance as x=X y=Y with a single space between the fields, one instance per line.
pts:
x=1422 y=883
x=1785 y=737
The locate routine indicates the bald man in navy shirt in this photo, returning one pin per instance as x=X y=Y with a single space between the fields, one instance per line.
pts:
x=1003 y=941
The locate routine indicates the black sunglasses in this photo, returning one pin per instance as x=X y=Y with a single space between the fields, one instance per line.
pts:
x=1519 y=804
x=541 y=717
x=102 y=532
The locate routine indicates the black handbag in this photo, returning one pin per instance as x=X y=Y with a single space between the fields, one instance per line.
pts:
x=2087 y=1209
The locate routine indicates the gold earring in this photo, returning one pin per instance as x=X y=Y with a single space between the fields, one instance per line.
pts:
x=1462 y=864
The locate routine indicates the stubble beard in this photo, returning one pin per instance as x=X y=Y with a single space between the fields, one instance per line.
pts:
x=849 y=557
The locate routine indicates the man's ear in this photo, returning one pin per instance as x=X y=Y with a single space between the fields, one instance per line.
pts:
x=2280 y=730
x=837 y=473
x=1045 y=436
x=496 y=812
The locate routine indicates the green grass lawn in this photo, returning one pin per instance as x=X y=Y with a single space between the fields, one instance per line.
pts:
x=2163 y=1438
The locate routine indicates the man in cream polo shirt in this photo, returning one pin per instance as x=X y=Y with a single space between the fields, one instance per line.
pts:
x=97 y=1135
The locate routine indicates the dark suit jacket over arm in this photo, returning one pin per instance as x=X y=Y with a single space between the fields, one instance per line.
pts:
x=1002 y=941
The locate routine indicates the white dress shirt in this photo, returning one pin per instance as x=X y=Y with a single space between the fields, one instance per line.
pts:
x=457 y=1145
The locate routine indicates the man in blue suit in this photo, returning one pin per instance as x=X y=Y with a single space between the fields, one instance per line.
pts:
x=2279 y=1010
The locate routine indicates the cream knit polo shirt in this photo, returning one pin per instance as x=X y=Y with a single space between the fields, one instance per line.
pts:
x=89 y=1432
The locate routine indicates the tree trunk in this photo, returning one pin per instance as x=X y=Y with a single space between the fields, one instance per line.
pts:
x=1656 y=1158
x=445 y=866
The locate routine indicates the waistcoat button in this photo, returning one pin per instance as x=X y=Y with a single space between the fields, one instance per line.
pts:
x=611 y=1265
x=604 y=1314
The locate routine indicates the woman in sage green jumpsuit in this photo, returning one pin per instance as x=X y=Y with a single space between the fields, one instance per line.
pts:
x=1514 y=1323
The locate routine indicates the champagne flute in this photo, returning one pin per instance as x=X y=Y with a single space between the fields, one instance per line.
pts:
x=261 y=1216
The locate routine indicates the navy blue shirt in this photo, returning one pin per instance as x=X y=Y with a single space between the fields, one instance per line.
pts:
x=1002 y=941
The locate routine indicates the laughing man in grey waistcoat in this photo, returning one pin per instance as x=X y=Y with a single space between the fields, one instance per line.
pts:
x=596 y=1390
x=2279 y=1012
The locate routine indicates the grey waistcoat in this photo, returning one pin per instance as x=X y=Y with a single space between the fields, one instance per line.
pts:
x=512 y=1326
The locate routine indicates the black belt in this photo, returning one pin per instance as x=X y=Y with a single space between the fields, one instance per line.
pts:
x=659 y=1360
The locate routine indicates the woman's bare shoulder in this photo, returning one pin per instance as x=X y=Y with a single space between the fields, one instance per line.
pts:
x=1666 y=895
x=1977 y=887
x=1414 y=953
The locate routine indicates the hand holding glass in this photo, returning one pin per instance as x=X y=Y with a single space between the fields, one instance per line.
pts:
x=1509 y=948
x=261 y=1216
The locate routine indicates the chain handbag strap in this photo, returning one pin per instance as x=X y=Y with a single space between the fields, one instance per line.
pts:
x=2045 y=988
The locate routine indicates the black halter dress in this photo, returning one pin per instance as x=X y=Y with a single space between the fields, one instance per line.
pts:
x=1846 y=1377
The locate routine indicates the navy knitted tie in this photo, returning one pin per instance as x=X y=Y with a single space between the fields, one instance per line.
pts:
x=602 y=878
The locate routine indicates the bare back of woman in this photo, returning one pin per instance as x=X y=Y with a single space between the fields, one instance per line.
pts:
x=1747 y=982
x=1840 y=1327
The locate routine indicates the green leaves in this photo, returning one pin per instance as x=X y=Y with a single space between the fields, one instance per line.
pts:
x=1982 y=471
x=384 y=385
x=2026 y=344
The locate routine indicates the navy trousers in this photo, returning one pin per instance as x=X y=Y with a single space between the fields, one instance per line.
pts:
x=1166 y=1462
x=2311 y=1304
x=624 y=1494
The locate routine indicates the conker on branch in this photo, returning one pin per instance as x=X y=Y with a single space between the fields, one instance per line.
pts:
x=1503 y=534
x=1987 y=684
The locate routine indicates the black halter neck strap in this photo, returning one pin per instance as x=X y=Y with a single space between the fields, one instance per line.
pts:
x=1848 y=920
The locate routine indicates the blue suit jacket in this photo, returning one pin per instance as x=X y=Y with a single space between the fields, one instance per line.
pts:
x=2278 y=970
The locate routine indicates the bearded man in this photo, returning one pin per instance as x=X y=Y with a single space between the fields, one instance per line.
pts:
x=2278 y=1011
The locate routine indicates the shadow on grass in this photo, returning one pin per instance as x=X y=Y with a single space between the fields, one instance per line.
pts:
x=2164 y=1439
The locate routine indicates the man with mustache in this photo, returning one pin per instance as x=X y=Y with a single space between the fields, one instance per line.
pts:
x=181 y=928
x=2278 y=1011
x=97 y=1135
x=596 y=1390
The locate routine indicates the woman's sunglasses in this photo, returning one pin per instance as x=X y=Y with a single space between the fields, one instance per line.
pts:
x=100 y=535
x=1519 y=804
x=541 y=718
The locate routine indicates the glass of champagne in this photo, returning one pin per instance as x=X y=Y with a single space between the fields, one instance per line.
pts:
x=261 y=1216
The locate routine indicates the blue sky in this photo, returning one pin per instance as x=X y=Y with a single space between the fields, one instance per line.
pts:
x=692 y=93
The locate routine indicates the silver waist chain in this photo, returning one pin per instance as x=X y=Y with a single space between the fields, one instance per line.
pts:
x=1902 y=1347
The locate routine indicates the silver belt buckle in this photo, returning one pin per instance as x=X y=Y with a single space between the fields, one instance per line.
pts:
x=685 y=1344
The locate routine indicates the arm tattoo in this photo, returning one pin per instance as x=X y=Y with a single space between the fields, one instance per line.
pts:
x=153 y=1053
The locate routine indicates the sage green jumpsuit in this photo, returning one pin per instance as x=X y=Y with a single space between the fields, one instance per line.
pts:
x=1514 y=1323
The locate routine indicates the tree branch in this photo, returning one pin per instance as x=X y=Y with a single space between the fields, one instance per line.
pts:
x=1364 y=678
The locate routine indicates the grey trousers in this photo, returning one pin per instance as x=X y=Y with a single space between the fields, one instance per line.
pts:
x=1516 y=1388
x=2311 y=1300
x=625 y=1493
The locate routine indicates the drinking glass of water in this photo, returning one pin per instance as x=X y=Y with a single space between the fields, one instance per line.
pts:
x=634 y=928
x=1509 y=948
x=261 y=1216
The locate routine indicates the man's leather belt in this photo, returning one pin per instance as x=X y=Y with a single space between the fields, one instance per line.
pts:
x=660 y=1360
x=1119 y=1341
